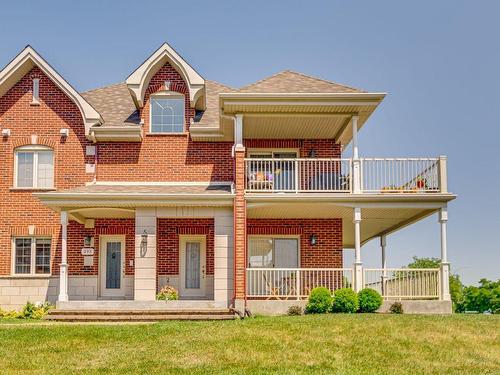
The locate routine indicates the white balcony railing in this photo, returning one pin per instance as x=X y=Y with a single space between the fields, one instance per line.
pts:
x=365 y=175
x=295 y=282
x=400 y=175
x=298 y=175
x=404 y=283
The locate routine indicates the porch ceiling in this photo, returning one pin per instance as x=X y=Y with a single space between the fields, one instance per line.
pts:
x=375 y=220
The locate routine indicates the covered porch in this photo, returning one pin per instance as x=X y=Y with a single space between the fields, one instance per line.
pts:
x=121 y=244
x=362 y=220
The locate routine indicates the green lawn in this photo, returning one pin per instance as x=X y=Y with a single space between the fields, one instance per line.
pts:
x=343 y=344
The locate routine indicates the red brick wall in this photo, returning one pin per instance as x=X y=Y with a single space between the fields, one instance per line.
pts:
x=18 y=207
x=167 y=241
x=76 y=234
x=163 y=157
x=326 y=253
x=324 y=148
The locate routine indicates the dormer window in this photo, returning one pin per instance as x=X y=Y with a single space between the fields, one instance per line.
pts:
x=34 y=167
x=167 y=114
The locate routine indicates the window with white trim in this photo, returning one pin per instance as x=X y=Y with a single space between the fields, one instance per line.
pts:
x=273 y=252
x=167 y=113
x=31 y=256
x=34 y=167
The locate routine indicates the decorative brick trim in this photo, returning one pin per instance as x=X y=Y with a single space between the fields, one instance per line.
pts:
x=27 y=141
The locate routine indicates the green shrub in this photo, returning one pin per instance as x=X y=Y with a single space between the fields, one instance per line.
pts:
x=167 y=293
x=345 y=300
x=396 y=308
x=29 y=311
x=369 y=300
x=294 y=310
x=320 y=301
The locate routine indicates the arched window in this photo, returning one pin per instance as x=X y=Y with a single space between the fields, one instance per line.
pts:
x=34 y=167
x=167 y=113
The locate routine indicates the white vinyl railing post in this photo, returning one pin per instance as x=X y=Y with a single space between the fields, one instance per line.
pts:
x=297 y=283
x=443 y=178
x=297 y=174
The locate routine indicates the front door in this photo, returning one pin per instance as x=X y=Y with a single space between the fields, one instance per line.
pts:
x=193 y=266
x=112 y=262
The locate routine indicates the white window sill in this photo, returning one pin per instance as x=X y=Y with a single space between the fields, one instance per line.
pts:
x=27 y=276
x=31 y=189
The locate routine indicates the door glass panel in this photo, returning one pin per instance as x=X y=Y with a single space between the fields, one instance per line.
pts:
x=284 y=171
x=193 y=265
x=286 y=253
x=260 y=252
x=113 y=265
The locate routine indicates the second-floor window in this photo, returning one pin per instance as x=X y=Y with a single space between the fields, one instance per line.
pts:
x=167 y=114
x=34 y=167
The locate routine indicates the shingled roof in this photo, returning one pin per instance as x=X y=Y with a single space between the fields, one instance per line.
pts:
x=116 y=106
x=288 y=81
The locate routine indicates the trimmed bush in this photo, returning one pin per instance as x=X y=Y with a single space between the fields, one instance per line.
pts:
x=320 y=301
x=345 y=300
x=294 y=310
x=369 y=300
x=396 y=308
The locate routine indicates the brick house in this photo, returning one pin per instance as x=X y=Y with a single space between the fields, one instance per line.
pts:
x=236 y=197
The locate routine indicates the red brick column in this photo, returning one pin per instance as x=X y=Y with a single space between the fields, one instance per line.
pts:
x=239 y=225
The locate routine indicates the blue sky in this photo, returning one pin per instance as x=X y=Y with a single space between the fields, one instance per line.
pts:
x=437 y=60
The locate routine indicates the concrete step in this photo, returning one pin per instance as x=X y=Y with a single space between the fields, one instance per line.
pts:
x=141 y=312
x=134 y=318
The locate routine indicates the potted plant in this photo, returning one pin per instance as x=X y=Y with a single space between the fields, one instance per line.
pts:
x=167 y=293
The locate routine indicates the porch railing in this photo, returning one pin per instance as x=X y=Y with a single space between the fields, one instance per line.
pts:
x=296 y=283
x=298 y=175
x=371 y=175
x=404 y=283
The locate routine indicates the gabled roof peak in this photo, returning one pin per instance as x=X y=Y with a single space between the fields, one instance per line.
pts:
x=26 y=60
x=292 y=81
x=138 y=81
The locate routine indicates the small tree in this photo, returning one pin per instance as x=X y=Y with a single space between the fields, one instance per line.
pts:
x=485 y=297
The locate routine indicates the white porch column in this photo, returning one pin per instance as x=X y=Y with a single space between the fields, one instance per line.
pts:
x=145 y=254
x=358 y=265
x=63 y=268
x=354 y=123
x=356 y=162
x=445 y=266
x=383 y=244
x=238 y=131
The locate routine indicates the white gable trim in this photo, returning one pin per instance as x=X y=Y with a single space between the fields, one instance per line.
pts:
x=29 y=58
x=138 y=81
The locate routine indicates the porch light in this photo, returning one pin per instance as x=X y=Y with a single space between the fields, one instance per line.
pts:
x=144 y=239
x=313 y=240
x=312 y=153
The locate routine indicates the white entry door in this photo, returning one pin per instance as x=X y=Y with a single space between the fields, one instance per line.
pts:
x=112 y=266
x=192 y=266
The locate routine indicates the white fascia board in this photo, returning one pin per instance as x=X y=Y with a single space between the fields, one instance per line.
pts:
x=378 y=96
x=138 y=81
x=29 y=58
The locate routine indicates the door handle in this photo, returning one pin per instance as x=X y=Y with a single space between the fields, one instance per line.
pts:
x=203 y=271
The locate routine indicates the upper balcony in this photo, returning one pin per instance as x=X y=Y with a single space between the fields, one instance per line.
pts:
x=348 y=176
